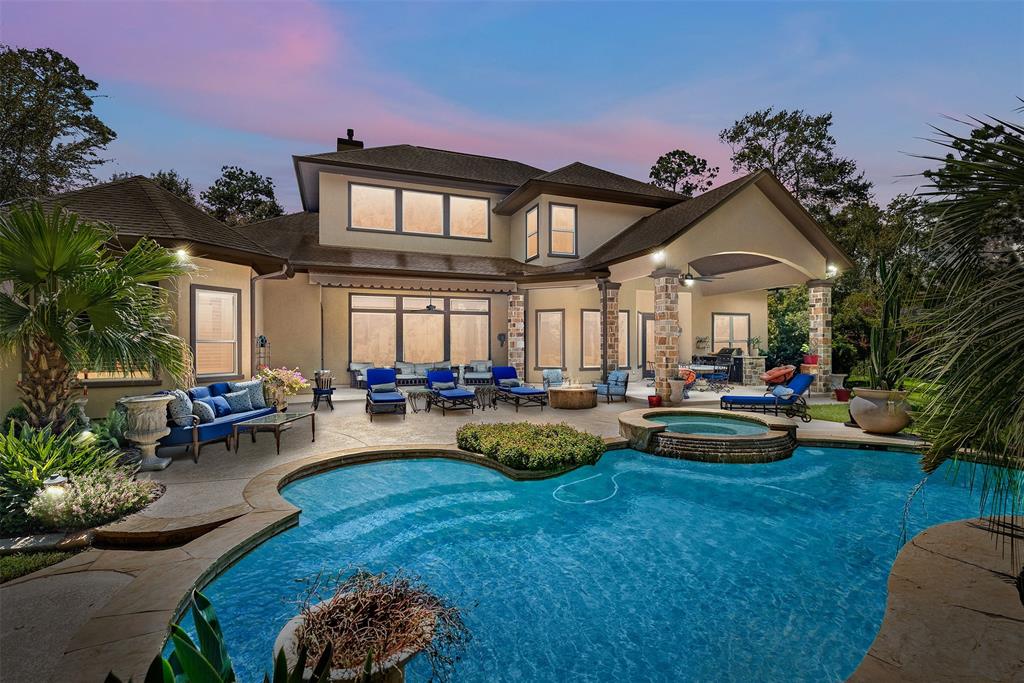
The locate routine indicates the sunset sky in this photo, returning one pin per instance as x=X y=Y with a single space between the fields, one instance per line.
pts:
x=197 y=85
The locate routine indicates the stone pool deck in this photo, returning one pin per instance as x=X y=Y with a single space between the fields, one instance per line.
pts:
x=109 y=608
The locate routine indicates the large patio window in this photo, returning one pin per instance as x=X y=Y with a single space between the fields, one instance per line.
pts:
x=563 y=230
x=590 y=339
x=372 y=207
x=216 y=327
x=533 y=233
x=550 y=338
x=418 y=329
x=624 y=339
x=729 y=330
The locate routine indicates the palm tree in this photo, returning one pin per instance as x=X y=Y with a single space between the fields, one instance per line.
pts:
x=73 y=300
x=969 y=322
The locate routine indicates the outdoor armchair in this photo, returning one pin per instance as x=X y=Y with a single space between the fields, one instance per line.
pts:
x=618 y=381
x=552 y=378
x=382 y=394
x=445 y=394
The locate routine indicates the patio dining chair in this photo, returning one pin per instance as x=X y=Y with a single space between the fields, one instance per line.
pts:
x=382 y=394
x=445 y=394
x=512 y=390
x=323 y=388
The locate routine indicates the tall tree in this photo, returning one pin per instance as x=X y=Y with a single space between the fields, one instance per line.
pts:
x=682 y=172
x=800 y=150
x=170 y=180
x=239 y=197
x=50 y=139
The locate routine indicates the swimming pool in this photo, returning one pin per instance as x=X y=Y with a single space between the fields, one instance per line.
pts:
x=710 y=425
x=639 y=568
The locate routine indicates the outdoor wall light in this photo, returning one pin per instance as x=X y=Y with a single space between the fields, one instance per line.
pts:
x=54 y=484
x=831 y=270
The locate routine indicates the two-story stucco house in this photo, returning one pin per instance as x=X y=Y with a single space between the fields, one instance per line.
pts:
x=405 y=255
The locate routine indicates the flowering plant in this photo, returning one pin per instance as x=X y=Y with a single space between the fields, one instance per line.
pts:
x=291 y=381
x=92 y=499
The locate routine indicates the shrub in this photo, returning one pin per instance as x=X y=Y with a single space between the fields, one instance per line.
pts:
x=91 y=499
x=28 y=458
x=15 y=417
x=20 y=564
x=110 y=432
x=526 y=446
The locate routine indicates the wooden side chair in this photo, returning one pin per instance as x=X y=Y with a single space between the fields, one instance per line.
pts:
x=323 y=389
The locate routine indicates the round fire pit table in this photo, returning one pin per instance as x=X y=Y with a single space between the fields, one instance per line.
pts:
x=572 y=398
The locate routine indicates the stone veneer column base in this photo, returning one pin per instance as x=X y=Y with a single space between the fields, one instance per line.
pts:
x=517 y=333
x=819 y=295
x=610 y=323
x=666 y=329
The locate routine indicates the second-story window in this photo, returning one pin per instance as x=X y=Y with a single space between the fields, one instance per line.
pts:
x=373 y=208
x=563 y=230
x=422 y=212
x=533 y=233
x=468 y=216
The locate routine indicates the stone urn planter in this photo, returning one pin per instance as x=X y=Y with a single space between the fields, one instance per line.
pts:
x=677 y=390
x=837 y=380
x=880 y=411
x=389 y=669
x=147 y=424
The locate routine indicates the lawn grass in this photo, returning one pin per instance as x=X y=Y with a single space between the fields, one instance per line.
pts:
x=830 y=412
x=20 y=564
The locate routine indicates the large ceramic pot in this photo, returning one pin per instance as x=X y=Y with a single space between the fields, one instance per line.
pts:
x=390 y=669
x=677 y=390
x=880 y=411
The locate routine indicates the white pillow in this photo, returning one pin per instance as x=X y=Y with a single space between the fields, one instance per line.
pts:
x=782 y=392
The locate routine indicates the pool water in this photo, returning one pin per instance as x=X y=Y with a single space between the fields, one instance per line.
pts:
x=639 y=568
x=711 y=425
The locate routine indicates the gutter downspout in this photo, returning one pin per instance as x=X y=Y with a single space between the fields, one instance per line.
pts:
x=252 y=310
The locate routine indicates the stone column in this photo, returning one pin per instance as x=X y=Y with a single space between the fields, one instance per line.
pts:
x=609 y=324
x=517 y=333
x=819 y=294
x=666 y=329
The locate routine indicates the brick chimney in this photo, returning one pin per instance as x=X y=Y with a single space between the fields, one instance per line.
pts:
x=349 y=143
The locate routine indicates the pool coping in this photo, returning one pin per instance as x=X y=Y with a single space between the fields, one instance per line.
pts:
x=125 y=634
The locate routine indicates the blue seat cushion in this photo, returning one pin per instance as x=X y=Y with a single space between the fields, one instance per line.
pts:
x=386 y=397
x=526 y=391
x=758 y=400
x=456 y=393
x=218 y=429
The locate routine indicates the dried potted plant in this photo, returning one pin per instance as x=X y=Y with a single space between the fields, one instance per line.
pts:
x=390 y=617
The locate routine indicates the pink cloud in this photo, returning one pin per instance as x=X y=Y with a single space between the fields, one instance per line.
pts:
x=285 y=70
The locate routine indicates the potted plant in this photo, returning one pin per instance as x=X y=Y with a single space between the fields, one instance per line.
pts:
x=882 y=408
x=279 y=383
x=809 y=358
x=754 y=347
x=391 y=617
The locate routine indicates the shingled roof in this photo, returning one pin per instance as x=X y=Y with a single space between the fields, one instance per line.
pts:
x=296 y=237
x=433 y=162
x=138 y=207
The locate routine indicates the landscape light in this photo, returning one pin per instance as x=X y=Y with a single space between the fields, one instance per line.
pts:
x=54 y=484
x=182 y=254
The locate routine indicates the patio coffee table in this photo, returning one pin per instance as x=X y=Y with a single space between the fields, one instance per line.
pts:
x=572 y=398
x=277 y=423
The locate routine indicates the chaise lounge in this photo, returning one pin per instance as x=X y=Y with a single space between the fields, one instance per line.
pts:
x=382 y=394
x=445 y=394
x=788 y=399
x=511 y=389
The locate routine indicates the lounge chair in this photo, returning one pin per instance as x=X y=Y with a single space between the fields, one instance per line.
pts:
x=616 y=385
x=511 y=389
x=792 y=405
x=445 y=394
x=382 y=394
x=552 y=378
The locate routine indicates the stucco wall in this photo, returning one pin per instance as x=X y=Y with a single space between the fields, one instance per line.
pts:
x=291 y=321
x=334 y=221
x=103 y=395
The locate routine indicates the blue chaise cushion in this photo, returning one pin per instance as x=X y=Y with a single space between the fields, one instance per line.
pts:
x=455 y=393
x=386 y=397
x=527 y=391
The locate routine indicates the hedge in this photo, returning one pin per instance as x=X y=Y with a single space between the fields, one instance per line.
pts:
x=526 y=446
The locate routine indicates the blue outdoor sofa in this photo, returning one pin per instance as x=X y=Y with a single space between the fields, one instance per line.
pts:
x=793 y=405
x=511 y=390
x=196 y=435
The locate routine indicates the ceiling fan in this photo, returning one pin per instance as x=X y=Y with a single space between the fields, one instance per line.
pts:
x=689 y=278
x=430 y=303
